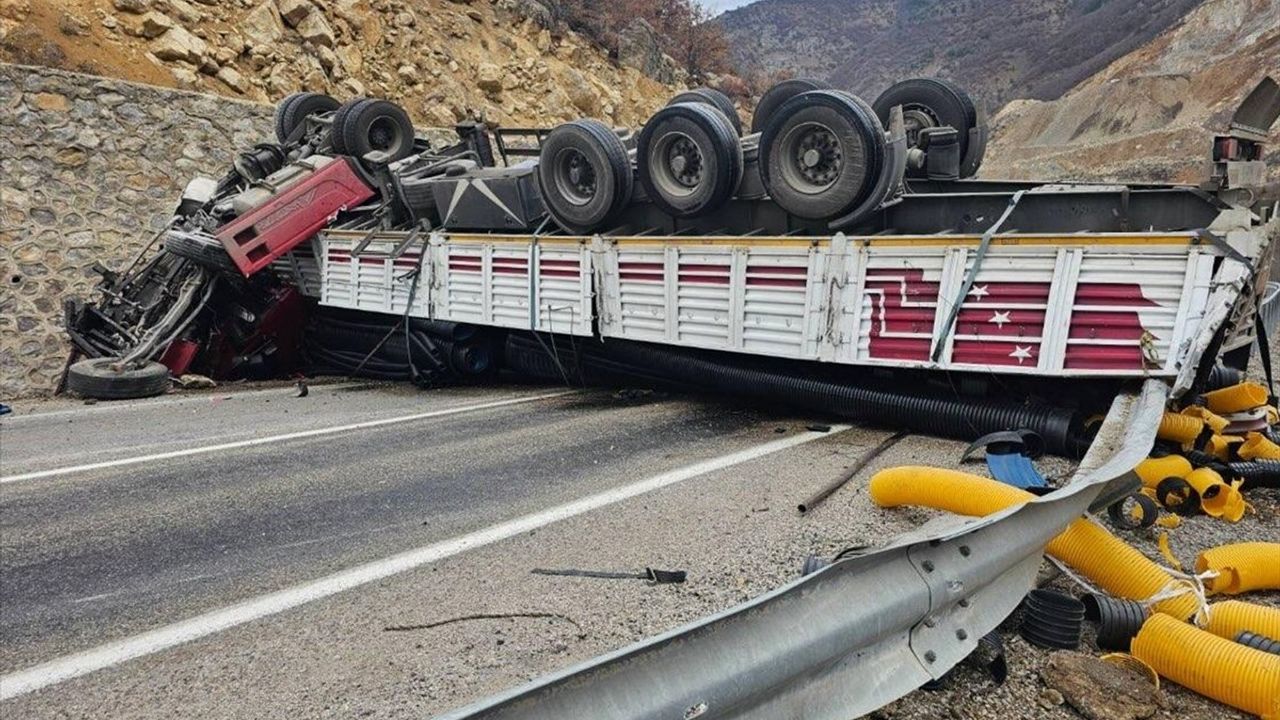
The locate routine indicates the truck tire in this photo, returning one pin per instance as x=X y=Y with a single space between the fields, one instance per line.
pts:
x=98 y=379
x=714 y=98
x=295 y=109
x=339 y=117
x=821 y=154
x=376 y=125
x=690 y=159
x=584 y=174
x=933 y=102
x=774 y=97
x=205 y=252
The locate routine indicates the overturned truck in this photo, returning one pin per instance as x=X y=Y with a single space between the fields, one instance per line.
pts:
x=840 y=255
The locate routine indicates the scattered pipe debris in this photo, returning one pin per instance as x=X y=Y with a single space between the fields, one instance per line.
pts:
x=656 y=577
x=866 y=458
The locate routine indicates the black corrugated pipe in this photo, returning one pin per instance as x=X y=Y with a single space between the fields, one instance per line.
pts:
x=737 y=377
x=1257 y=473
x=1259 y=642
x=1222 y=376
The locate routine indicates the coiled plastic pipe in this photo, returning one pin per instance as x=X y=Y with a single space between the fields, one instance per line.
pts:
x=1152 y=470
x=1257 y=447
x=1182 y=429
x=1217 y=498
x=1228 y=672
x=1108 y=561
x=1256 y=474
x=1241 y=567
x=1236 y=398
x=1229 y=618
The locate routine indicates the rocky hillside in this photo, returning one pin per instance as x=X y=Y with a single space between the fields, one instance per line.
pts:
x=445 y=60
x=1001 y=50
x=1151 y=114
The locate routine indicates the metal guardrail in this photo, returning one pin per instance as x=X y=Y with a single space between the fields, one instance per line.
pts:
x=834 y=644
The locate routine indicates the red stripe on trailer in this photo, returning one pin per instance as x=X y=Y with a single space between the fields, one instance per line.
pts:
x=641 y=277
x=567 y=264
x=900 y=348
x=1103 y=357
x=1119 y=325
x=779 y=269
x=1125 y=294
x=509 y=271
x=1007 y=293
x=640 y=266
x=704 y=279
x=777 y=282
x=559 y=273
x=1000 y=323
x=987 y=352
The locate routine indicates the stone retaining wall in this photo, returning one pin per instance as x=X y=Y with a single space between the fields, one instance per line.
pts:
x=89 y=168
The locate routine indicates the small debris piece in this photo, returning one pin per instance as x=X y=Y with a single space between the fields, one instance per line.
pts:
x=818 y=428
x=1100 y=690
x=191 y=381
x=303 y=390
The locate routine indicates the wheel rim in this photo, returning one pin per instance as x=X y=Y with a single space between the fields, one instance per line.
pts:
x=916 y=118
x=575 y=177
x=676 y=164
x=384 y=135
x=812 y=157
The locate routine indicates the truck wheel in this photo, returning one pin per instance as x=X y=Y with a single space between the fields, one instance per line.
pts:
x=584 y=175
x=690 y=159
x=98 y=378
x=376 y=125
x=339 y=117
x=821 y=153
x=204 y=251
x=933 y=102
x=774 y=97
x=295 y=109
x=714 y=98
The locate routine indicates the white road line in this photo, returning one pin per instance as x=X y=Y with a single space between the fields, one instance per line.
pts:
x=153 y=641
x=277 y=438
x=222 y=396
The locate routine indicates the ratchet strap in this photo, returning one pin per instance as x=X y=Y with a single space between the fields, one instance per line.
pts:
x=972 y=275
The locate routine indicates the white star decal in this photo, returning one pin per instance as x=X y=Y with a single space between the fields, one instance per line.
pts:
x=1022 y=353
x=1000 y=318
x=979 y=291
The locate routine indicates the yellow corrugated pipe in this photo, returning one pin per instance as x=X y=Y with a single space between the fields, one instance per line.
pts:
x=1181 y=429
x=1210 y=418
x=1236 y=398
x=1153 y=470
x=1241 y=567
x=1217 y=498
x=1085 y=545
x=1226 y=671
x=1220 y=446
x=1257 y=447
x=1229 y=618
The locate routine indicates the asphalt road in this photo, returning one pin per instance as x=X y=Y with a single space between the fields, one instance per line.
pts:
x=116 y=520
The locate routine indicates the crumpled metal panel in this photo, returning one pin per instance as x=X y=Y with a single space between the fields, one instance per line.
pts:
x=836 y=644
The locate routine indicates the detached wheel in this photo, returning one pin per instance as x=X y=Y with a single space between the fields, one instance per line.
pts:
x=371 y=125
x=203 y=251
x=933 y=102
x=99 y=378
x=821 y=154
x=779 y=94
x=714 y=98
x=584 y=175
x=294 y=110
x=690 y=159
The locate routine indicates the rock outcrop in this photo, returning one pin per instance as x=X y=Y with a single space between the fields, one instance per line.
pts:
x=435 y=57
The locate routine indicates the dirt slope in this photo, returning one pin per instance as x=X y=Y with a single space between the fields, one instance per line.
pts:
x=1151 y=114
x=444 y=60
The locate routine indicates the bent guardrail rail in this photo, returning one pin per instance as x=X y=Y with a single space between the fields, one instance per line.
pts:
x=834 y=645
